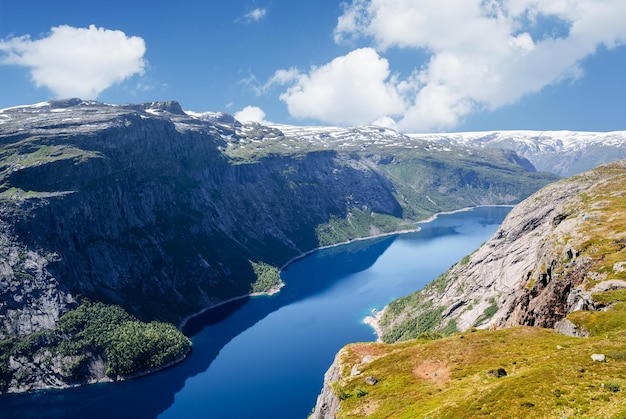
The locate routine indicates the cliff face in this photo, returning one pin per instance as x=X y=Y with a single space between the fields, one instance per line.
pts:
x=166 y=213
x=327 y=404
x=543 y=263
x=557 y=261
x=152 y=216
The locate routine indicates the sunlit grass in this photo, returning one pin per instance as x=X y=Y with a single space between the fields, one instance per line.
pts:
x=547 y=375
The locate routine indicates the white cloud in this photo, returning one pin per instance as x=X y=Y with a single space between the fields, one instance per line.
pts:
x=385 y=122
x=353 y=89
x=280 y=77
x=483 y=54
x=77 y=62
x=253 y=15
x=251 y=114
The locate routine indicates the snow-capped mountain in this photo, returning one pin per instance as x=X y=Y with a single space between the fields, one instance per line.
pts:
x=564 y=153
x=358 y=138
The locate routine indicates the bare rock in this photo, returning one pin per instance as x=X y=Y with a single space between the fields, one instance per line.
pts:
x=327 y=404
x=371 y=380
x=567 y=328
x=498 y=373
x=598 y=357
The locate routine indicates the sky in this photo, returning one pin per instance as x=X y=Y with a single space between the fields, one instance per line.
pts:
x=412 y=65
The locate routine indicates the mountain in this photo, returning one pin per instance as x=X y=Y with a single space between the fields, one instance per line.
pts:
x=556 y=264
x=116 y=217
x=564 y=153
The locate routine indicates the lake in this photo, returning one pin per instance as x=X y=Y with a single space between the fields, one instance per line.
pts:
x=265 y=357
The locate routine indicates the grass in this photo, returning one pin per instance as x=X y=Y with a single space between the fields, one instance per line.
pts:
x=488 y=313
x=603 y=208
x=448 y=378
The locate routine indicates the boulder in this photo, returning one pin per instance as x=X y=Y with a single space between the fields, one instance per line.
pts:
x=598 y=357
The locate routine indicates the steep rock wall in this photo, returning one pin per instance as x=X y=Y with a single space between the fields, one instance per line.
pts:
x=531 y=272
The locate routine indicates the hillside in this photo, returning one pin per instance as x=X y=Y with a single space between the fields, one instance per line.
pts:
x=557 y=262
x=158 y=213
x=565 y=153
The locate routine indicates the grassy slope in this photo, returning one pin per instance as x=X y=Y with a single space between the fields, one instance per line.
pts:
x=548 y=374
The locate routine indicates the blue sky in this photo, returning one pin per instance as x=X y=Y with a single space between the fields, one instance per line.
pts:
x=415 y=65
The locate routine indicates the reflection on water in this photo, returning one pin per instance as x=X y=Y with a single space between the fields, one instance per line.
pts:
x=266 y=356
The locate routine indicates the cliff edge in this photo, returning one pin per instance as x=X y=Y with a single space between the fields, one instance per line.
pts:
x=532 y=324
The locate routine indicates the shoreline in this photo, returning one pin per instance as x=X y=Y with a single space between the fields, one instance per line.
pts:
x=273 y=290
x=373 y=321
x=276 y=288
x=357 y=239
x=434 y=216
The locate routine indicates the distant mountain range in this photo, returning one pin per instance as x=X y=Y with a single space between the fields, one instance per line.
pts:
x=564 y=153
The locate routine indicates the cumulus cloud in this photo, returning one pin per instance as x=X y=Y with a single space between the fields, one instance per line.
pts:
x=253 y=15
x=251 y=114
x=353 y=89
x=481 y=54
x=77 y=62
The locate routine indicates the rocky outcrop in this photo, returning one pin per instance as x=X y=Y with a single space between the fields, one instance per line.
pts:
x=559 y=252
x=31 y=298
x=535 y=269
x=327 y=404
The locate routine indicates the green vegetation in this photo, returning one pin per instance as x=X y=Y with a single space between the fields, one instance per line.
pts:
x=449 y=180
x=261 y=142
x=136 y=347
x=488 y=313
x=32 y=152
x=267 y=276
x=412 y=327
x=450 y=328
x=93 y=329
x=547 y=375
x=359 y=223
x=400 y=321
x=603 y=208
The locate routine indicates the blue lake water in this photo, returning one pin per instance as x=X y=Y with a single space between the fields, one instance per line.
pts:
x=265 y=357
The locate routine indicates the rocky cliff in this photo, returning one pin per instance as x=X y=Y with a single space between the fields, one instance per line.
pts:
x=164 y=213
x=540 y=265
x=557 y=264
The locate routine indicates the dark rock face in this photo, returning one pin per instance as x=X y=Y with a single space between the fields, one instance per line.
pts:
x=498 y=373
x=155 y=212
x=163 y=212
x=141 y=205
